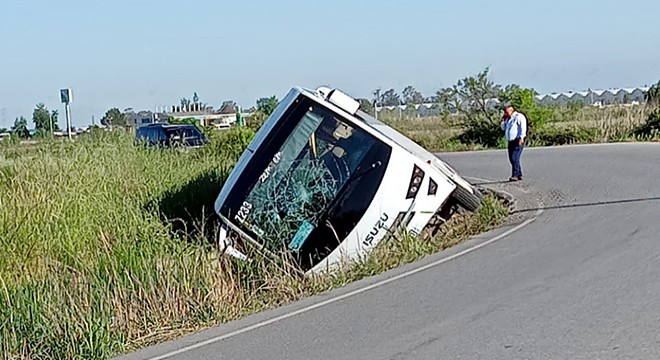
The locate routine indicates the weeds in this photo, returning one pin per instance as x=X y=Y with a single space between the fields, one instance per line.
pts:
x=103 y=247
x=86 y=266
x=403 y=248
x=560 y=126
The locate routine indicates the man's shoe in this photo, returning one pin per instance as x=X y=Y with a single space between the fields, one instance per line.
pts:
x=513 y=178
x=519 y=178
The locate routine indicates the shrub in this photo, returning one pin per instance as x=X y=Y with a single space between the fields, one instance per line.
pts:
x=651 y=128
x=482 y=131
x=523 y=100
x=550 y=136
x=231 y=142
x=255 y=120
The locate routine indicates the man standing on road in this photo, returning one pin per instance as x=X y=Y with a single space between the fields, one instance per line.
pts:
x=514 y=125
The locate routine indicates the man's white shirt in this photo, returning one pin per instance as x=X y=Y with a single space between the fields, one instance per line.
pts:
x=515 y=127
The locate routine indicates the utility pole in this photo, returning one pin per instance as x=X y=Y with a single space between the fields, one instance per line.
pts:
x=67 y=108
x=377 y=93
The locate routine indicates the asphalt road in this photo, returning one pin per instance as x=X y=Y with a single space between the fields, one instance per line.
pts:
x=581 y=281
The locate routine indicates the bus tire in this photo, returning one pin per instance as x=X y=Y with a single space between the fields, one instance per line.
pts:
x=466 y=199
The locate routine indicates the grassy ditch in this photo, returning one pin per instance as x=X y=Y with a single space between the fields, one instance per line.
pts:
x=106 y=247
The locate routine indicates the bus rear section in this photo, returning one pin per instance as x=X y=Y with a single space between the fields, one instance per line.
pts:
x=465 y=194
x=322 y=186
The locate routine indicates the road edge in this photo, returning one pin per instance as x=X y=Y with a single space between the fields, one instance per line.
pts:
x=215 y=334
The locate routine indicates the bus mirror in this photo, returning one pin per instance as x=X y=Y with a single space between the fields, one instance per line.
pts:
x=225 y=245
x=232 y=251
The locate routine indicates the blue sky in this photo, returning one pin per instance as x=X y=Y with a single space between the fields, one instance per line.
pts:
x=145 y=53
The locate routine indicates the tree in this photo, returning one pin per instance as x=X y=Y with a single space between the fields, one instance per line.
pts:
x=376 y=98
x=446 y=100
x=185 y=102
x=653 y=94
x=390 y=98
x=53 y=116
x=3 y=130
x=188 y=121
x=20 y=128
x=475 y=93
x=195 y=98
x=523 y=100
x=366 y=106
x=472 y=96
x=412 y=96
x=41 y=118
x=267 y=105
x=114 y=117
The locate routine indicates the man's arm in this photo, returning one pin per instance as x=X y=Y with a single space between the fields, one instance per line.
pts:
x=522 y=122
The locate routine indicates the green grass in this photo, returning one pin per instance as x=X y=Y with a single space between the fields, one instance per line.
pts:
x=106 y=247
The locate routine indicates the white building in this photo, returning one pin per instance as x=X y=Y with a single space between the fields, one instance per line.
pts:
x=596 y=97
x=206 y=116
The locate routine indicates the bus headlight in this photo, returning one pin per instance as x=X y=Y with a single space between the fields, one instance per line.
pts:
x=415 y=182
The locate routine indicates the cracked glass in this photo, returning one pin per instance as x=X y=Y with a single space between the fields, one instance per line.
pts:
x=301 y=181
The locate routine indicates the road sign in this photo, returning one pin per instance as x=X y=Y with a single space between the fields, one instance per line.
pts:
x=66 y=96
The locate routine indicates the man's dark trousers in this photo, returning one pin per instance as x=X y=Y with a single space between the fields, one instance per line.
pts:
x=515 y=150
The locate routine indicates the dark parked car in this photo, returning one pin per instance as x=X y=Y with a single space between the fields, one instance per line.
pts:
x=170 y=135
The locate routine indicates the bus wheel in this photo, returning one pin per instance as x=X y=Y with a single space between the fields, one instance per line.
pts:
x=469 y=201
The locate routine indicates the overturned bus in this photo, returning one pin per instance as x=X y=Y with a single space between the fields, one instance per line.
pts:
x=324 y=182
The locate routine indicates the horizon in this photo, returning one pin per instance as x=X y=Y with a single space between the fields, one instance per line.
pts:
x=153 y=53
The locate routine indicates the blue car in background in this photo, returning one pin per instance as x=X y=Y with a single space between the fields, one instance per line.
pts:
x=171 y=135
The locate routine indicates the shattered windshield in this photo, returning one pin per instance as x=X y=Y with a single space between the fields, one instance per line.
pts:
x=302 y=179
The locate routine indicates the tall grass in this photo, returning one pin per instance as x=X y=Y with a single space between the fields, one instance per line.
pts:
x=106 y=247
x=86 y=266
x=565 y=125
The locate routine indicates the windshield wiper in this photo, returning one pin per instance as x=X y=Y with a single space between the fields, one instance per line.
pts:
x=332 y=228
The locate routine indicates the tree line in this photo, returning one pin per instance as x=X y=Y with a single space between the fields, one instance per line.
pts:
x=470 y=96
x=45 y=123
x=447 y=96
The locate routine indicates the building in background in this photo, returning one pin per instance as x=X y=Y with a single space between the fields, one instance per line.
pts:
x=144 y=117
x=626 y=96
x=206 y=115
x=609 y=97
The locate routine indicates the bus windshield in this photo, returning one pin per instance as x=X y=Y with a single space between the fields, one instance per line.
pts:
x=303 y=177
